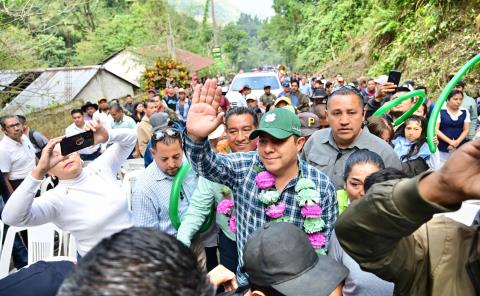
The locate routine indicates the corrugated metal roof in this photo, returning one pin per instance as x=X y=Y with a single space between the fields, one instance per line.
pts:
x=126 y=66
x=7 y=77
x=50 y=88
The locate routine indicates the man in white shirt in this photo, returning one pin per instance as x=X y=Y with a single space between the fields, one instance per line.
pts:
x=102 y=114
x=17 y=160
x=78 y=126
x=17 y=154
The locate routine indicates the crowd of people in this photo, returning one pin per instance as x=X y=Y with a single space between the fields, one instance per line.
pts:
x=304 y=193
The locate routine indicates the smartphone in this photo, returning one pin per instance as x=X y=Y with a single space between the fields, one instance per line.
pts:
x=394 y=77
x=76 y=142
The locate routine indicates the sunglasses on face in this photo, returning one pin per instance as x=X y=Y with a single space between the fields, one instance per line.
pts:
x=347 y=87
x=170 y=132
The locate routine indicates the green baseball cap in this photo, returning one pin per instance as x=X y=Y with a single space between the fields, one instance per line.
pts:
x=279 y=123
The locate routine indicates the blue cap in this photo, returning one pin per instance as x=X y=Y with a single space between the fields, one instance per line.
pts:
x=285 y=84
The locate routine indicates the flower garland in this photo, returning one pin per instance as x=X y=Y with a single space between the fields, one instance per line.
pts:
x=307 y=198
x=226 y=207
x=223 y=147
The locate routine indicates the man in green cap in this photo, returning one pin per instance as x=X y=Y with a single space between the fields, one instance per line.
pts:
x=279 y=142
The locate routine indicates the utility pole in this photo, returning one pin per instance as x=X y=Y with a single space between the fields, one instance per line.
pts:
x=214 y=25
x=170 y=40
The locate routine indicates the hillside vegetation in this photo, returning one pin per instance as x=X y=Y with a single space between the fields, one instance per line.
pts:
x=426 y=39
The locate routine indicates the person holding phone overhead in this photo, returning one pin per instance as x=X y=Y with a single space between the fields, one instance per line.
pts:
x=87 y=202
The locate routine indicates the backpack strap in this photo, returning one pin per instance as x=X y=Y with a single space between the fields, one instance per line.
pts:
x=32 y=139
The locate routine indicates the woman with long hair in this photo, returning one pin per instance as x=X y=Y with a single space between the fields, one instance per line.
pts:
x=360 y=164
x=139 y=111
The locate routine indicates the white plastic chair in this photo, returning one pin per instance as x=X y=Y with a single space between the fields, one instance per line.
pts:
x=41 y=242
x=128 y=183
x=43 y=186
x=72 y=248
x=7 y=250
x=130 y=165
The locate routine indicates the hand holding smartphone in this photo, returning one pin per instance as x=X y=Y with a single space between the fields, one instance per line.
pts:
x=394 y=77
x=76 y=142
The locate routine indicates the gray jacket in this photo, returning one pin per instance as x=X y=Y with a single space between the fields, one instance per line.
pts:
x=322 y=152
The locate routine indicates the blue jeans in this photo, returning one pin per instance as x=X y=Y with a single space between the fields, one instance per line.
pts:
x=228 y=252
x=40 y=278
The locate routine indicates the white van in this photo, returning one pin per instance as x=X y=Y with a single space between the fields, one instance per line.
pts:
x=256 y=81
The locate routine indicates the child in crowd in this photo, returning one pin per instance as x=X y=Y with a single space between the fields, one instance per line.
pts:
x=380 y=127
x=412 y=149
x=421 y=111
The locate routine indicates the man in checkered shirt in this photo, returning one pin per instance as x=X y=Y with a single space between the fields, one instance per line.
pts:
x=279 y=142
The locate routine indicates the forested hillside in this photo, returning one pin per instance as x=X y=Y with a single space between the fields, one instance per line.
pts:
x=426 y=39
x=59 y=33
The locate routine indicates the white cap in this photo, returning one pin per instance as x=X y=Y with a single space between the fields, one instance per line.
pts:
x=251 y=97
x=217 y=133
x=382 y=79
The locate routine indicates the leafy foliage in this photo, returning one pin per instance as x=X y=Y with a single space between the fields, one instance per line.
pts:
x=83 y=32
x=408 y=35
x=17 y=49
x=165 y=69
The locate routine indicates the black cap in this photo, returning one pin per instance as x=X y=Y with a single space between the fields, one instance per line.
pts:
x=405 y=87
x=89 y=104
x=280 y=255
x=319 y=96
x=267 y=86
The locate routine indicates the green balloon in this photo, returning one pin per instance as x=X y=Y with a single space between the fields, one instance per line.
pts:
x=175 y=195
x=432 y=123
x=382 y=110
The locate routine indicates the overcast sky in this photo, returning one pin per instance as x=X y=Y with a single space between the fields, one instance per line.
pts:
x=260 y=8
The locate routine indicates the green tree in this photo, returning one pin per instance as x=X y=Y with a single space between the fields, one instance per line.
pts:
x=235 y=44
x=17 y=49
x=52 y=50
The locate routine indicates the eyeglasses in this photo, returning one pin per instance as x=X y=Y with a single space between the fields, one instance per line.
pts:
x=13 y=125
x=169 y=132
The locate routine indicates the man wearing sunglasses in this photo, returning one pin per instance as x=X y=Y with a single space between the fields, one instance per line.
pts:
x=328 y=149
x=279 y=141
x=151 y=192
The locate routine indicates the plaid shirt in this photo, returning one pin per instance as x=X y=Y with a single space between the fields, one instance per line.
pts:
x=237 y=171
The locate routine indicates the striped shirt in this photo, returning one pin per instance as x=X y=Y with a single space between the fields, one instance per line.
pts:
x=151 y=198
x=237 y=171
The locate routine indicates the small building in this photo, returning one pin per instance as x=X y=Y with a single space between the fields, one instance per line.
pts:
x=25 y=91
x=130 y=63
